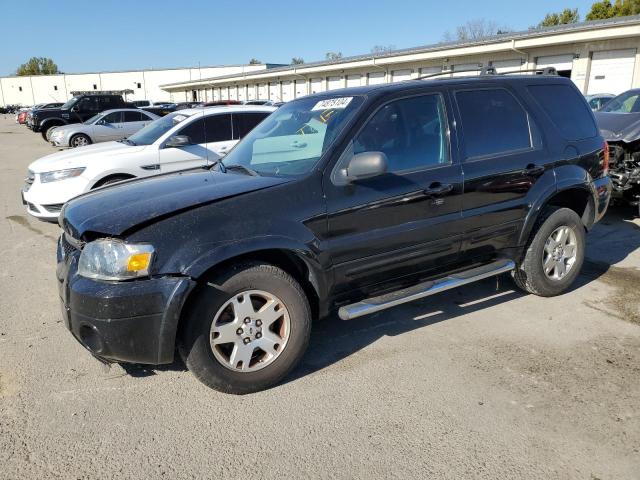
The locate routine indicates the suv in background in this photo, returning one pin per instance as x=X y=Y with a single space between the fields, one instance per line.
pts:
x=77 y=110
x=349 y=201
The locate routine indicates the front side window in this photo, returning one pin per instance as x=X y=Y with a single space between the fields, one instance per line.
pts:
x=195 y=132
x=113 y=117
x=157 y=129
x=493 y=122
x=411 y=132
x=292 y=139
x=217 y=128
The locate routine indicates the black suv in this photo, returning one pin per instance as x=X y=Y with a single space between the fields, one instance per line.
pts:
x=79 y=109
x=352 y=201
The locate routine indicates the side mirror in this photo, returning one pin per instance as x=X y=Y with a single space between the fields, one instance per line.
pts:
x=365 y=165
x=75 y=109
x=178 y=141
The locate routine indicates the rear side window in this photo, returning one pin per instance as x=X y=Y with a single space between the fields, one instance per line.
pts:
x=133 y=117
x=493 y=122
x=218 y=128
x=567 y=109
x=243 y=123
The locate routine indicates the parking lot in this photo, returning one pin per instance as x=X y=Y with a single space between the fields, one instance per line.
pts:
x=480 y=382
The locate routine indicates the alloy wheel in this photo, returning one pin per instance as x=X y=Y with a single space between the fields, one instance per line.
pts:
x=560 y=253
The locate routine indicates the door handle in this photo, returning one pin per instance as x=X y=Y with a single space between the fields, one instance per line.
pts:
x=437 y=189
x=534 y=170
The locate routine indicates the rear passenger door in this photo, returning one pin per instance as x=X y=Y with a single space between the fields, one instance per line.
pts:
x=133 y=121
x=219 y=135
x=391 y=228
x=503 y=160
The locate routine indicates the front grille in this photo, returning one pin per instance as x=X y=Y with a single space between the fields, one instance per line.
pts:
x=29 y=181
x=67 y=247
x=55 y=208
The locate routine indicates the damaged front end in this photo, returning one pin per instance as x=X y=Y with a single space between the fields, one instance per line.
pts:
x=624 y=170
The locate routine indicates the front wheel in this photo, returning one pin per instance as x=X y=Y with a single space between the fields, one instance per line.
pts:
x=555 y=254
x=79 y=140
x=246 y=328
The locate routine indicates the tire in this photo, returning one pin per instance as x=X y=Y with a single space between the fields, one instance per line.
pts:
x=111 y=180
x=79 y=140
x=547 y=244
x=222 y=298
x=45 y=132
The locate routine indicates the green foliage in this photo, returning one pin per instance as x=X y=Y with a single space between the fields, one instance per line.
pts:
x=564 y=17
x=333 y=55
x=37 y=66
x=254 y=61
x=297 y=61
x=380 y=49
x=620 y=8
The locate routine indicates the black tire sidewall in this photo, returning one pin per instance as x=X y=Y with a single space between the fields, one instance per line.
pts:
x=195 y=346
x=79 y=135
x=543 y=284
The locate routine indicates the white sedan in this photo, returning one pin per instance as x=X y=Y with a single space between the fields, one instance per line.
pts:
x=104 y=127
x=184 y=139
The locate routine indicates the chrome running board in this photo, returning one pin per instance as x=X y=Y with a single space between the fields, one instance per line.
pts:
x=426 y=289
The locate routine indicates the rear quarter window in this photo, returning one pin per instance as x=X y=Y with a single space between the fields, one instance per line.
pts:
x=567 y=109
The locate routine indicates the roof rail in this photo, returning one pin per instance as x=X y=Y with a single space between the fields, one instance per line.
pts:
x=481 y=71
x=101 y=92
x=537 y=71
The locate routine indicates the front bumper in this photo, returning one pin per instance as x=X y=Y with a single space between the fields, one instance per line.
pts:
x=133 y=321
x=45 y=200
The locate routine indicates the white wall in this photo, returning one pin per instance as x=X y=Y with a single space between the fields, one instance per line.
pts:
x=57 y=88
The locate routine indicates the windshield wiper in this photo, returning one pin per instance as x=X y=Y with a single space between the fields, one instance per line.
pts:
x=248 y=170
x=127 y=141
x=213 y=164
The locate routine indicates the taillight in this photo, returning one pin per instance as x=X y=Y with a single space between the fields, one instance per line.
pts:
x=605 y=160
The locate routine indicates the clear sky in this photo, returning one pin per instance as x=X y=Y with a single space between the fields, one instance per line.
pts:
x=91 y=35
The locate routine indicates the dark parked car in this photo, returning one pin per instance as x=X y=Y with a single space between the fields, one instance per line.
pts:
x=77 y=110
x=353 y=201
x=619 y=123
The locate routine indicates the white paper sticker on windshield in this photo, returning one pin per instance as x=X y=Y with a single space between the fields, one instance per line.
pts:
x=340 y=102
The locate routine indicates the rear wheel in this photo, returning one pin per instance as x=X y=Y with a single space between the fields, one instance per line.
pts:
x=79 y=140
x=555 y=254
x=246 y=329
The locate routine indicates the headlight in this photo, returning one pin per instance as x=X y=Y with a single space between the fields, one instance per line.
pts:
x=47 y=177
x=115 y=260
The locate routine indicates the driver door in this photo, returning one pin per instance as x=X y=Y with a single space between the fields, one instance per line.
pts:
x=108 y=128
x=394 y=227
x=189 y=156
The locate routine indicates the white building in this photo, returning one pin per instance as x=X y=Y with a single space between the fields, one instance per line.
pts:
x=600 y=57
x=144 y=83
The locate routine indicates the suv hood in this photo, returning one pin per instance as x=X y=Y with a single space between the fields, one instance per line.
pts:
x=616 y=127
x=79 y=157
x=114 y=209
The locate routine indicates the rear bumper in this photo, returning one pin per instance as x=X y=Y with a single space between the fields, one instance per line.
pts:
x=134 y=321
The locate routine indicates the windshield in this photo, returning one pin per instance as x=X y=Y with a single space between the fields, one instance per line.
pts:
x=157 y=128
x=93 y=119
x=626 y=102
x=69 y=103
x=292 y=139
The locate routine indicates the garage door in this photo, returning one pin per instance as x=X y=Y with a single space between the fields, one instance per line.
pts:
x=317 y=85
x=251 y=92
x=242 y=92
x=430 y=70
x=216 y=93
x=301 y=88
x=274 y=92
x=287 y=91
x=233 y=93
x=353 y=81
x=466 y=69
x=335 y=82
x=611 y=71
x=400 y=75
x=562 y=63
x=507 y=65
x=263 y=94
x=376 y=78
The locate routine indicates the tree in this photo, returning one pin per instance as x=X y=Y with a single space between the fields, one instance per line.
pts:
x=333 y=55
x=254 y=61
x=38 y=66
x=620 y=8
x=379 y=49
x=564 y=17
x=297 y=61
x=475 y=30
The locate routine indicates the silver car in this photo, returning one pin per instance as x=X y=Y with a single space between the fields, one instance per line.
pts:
x=105 y=126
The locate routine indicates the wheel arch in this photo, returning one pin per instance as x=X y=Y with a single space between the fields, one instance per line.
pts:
x=100 y=181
